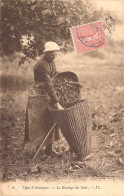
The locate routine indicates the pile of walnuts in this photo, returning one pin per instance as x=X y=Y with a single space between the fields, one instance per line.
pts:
x=68 y=92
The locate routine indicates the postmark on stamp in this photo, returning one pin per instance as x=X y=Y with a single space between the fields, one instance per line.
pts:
x=88 y=37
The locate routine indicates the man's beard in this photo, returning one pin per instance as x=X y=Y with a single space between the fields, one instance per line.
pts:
x=49 y=59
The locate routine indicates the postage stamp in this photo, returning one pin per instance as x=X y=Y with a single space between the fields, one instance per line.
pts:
x=88 y=37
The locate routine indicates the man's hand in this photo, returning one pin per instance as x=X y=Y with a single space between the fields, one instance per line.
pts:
x=59 y=107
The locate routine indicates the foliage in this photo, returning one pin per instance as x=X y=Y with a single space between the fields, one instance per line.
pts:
x=41 y=21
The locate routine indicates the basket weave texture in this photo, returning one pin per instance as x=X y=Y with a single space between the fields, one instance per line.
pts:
x=66 y=76
x=67 y=87
x=75 y=124
x=68 y=92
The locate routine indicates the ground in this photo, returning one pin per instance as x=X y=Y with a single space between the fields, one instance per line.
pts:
x=101 y=75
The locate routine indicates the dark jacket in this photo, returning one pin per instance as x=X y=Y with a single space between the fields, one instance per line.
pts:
x=43 y=72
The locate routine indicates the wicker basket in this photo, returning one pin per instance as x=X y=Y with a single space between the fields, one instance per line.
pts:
x=67 y=95
x=66 y=76
x=75 y=124
x=68 y=92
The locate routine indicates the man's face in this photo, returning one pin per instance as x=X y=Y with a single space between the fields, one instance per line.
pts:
x=50 y=56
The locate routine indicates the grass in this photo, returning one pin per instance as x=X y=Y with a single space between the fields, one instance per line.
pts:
x=101 y=74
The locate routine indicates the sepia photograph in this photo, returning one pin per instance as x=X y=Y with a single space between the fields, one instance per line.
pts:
x=61 y=97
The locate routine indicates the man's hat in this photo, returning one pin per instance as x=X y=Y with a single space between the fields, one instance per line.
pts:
x=51 y=46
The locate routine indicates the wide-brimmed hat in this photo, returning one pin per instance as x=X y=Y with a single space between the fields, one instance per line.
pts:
x=51 y=46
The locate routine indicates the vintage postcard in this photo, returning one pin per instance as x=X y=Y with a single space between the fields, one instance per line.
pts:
x=61 y=98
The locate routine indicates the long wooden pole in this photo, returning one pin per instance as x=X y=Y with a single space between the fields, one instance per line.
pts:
x=43 y=142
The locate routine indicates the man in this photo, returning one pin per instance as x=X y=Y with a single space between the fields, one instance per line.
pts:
x=38 y=122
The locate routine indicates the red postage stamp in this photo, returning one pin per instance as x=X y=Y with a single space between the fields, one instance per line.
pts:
x=88 y=37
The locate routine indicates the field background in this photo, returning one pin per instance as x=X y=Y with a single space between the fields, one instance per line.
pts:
x=102 y=76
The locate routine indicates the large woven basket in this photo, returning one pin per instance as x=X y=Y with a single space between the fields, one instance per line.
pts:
x=68 y=93
x=66 y=76
x=61 y=81
x=75 y=124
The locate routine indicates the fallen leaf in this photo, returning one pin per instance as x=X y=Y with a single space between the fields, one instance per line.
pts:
x=25 y=173
x=120 y=160
x=34 y=169
x=87 y=157
x=111 y=143
x=76 y=167
x=112 y=154
x=112 y=135
x=71 y=169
